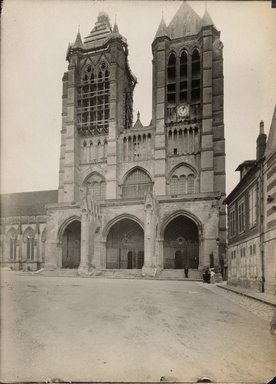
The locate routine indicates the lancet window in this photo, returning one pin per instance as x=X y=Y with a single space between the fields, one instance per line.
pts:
x=183 y=141
x=29 y=239
x=136 y=147
x=93 y=150
x=183 y=85
x=12 y=237
x=93 y=100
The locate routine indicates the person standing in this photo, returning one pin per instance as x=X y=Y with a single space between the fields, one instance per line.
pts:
x=207 y=275
x=186 y=271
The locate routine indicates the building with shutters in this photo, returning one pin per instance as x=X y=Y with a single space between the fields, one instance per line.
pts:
x=134 y=197
x=252 y=219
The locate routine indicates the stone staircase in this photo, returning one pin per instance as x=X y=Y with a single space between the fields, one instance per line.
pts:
x=178 y=274
x=117 y=273
x=165 y=274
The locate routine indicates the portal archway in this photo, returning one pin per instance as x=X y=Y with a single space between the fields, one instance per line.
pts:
x=71 y=245
x=125 y=245
x=181 y=244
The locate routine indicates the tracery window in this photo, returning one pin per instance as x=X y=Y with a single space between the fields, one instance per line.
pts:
x=137 y=184
x=93 y=100
x=96 y=187
x=182 y=181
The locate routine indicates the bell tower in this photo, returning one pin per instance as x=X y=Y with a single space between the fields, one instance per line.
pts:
x=187 y=109
x=188 y=95
x=97 y=103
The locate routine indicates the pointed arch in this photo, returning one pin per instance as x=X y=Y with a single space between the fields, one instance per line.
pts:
x=28 y=233
x=136 y=183
x=95 y=184
x=183 y=164
x=64 y=225
x=167 y=219
x=182 y=180
x=118 y=218
x=11 y=234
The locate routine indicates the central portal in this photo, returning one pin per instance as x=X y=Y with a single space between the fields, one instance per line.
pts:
x=181 y=248
x=125 y=246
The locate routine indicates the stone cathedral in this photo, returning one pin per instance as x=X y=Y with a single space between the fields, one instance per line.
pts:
x=136 y=197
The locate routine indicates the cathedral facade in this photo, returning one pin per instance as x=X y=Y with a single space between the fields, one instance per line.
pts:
x=137 y=197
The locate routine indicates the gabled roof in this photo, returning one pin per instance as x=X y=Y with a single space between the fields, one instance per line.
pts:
x=185 y=22
x=246 y=163
x=271 y=141
x=138 y=123
x=26 y=203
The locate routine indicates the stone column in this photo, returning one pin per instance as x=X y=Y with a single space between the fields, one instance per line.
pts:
x=85 y=248
x=150 y=266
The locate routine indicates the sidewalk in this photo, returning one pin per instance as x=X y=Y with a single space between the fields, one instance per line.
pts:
x=266 y=298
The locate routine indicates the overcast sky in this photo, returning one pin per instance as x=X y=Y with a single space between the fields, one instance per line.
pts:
x=35 y=37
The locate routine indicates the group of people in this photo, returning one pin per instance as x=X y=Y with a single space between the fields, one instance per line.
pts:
x=206 y=274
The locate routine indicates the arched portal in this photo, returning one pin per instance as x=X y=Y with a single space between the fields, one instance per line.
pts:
x=71 y=245
x=125 y=245
x=181 y=246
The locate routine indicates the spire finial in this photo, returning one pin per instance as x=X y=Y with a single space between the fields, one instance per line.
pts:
x=138 y=115
x=115 y=28
x=79 y=28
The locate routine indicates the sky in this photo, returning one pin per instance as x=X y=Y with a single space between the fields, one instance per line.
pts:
x=35 y=37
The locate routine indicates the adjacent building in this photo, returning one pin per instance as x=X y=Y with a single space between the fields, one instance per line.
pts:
x=131 y=196
x=252 y=219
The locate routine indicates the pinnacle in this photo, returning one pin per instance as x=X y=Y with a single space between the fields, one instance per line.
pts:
x=78 y=41
x=206 y=19
x=162 y=29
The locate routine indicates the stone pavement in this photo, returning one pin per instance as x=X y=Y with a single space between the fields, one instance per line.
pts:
x=248 y=300
x=264 y=297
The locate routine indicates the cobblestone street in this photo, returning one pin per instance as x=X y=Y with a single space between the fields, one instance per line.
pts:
x=262 y=310
x=131 y=330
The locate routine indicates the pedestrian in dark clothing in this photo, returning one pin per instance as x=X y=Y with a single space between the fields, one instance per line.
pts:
x=186 y=271
x=207 y=275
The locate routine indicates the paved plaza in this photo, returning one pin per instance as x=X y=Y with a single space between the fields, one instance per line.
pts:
x=131 y=330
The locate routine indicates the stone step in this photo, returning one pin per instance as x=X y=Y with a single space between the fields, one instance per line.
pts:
x=118 y=273
x=173 y=274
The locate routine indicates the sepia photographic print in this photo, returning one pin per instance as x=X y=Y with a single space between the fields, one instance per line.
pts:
x=138 y=191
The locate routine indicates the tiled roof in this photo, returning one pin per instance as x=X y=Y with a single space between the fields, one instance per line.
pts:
x=26 y=203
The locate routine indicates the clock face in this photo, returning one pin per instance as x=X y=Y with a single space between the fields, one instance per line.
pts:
x=183 y=110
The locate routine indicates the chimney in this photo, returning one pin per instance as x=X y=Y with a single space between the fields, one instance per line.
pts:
x=261 y=142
